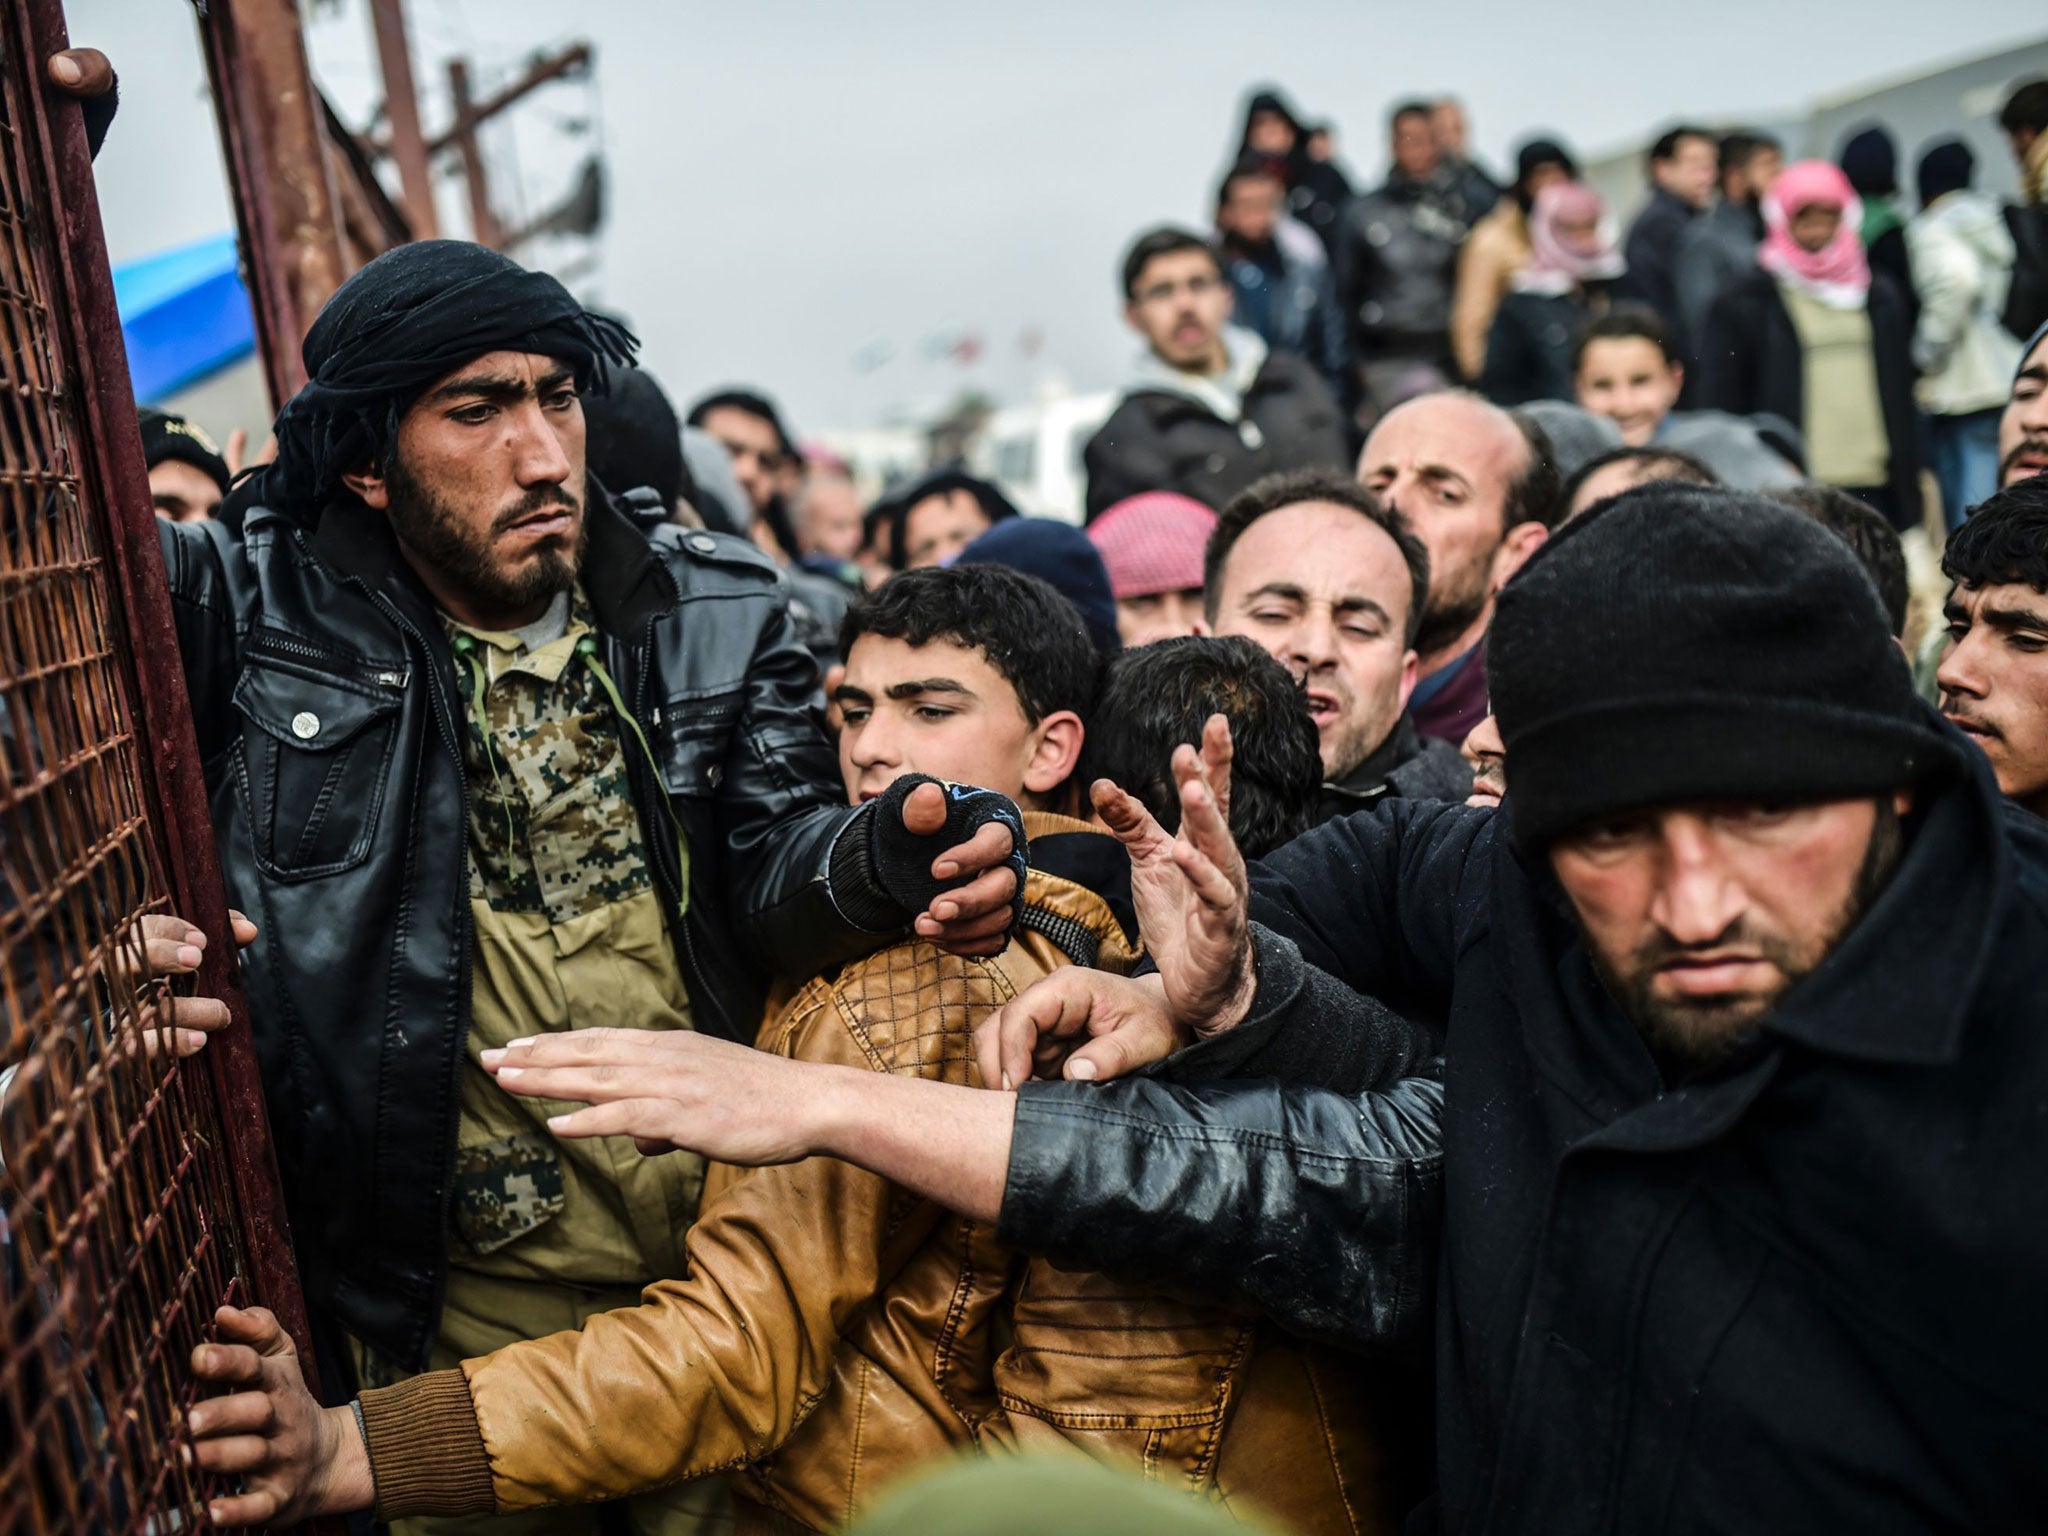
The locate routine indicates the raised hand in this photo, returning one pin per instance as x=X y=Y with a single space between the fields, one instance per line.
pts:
x=972 y=919
x=1190 y=889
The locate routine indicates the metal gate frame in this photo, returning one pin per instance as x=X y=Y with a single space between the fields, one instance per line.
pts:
x=112 y=473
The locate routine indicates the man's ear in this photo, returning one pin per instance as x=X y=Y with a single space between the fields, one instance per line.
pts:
x=1522 y=541
x=1055 y=750
x=1410 y=665
x=369 y=485
x=1131 y=317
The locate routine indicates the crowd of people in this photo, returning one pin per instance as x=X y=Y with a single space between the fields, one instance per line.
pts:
x=1445 y=961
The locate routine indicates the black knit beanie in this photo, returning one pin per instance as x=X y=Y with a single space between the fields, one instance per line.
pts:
x=1687 y=644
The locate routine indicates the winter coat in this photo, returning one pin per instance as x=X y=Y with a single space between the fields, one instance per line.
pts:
x=1397 y=261
x=1962 y=258
x=1652 y=247
x=1751 y=361
x=1529 y=348
x=1210 y=438
x=1291 y=304
x=1801 y=1293
x=1406 y=766
x=833 y=1334
x=1494 y=252
x=325 y=698
x=1717 y=252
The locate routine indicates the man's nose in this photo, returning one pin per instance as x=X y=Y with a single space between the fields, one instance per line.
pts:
x=1313 y=638
x=541 y=457
x=1697 y=897
x=1959 y=671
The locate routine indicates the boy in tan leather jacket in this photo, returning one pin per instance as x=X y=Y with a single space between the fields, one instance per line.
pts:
x=834 y=1331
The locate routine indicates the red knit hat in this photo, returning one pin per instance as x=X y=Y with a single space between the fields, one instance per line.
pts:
x=1153 y=542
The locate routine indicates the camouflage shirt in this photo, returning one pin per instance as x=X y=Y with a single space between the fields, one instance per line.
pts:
x=552 y=826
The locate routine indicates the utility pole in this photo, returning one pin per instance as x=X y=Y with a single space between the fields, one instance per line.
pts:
x=483 y=223
x=407 y=144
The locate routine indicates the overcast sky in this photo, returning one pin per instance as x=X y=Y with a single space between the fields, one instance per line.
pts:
x=800 y=190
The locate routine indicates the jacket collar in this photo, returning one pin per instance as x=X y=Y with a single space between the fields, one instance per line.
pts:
x=1078 y=853
x=1369 y=779
x=623 y=575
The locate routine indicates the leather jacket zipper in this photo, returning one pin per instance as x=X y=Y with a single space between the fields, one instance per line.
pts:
x=698 y=985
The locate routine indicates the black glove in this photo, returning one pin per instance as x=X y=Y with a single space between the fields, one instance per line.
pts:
x=884 y=879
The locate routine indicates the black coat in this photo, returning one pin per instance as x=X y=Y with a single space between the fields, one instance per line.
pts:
x=1161 y=440
x=1529 y=348
x=1652 y=254
x=1803 y=1294
x=1751 y=362
x=324 y=693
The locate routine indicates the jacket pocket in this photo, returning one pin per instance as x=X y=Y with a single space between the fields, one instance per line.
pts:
x=691 y=740
x=312 y=763
x=1120 y=1371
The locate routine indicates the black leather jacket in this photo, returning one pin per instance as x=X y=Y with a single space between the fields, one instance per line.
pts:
x=325 y=698
x=1316 y=1205
x=1397 y=265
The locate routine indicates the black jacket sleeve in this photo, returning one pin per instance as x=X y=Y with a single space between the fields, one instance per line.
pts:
x=1125 y=458
x=1318 y=1210
x=200 y=564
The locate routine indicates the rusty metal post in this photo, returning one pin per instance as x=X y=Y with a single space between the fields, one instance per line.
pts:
x=274 y=140
x=483 y=223
x=114 y=473
x=402 y=113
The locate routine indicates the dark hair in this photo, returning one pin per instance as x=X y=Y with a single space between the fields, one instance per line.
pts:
x=897 y=506
x=1667 y=464
x=1737 y=149
x=1248 y=168
x=1028 y=632
x=632 y=438
x=1869 y=535
x=1533 y=492
x=2026 y=109
x=1166 y=240
x=2004 y=540
x=1625 y=321
x=754 y=403
x=1411 y=108
x=1159 y=695
x=1291 y=488
x=1666 y=147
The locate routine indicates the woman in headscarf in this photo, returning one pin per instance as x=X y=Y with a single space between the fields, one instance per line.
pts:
x=1498 y=248
x=1815 y=337
x=1573 y=273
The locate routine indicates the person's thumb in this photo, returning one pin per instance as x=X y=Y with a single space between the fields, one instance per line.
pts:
x=924 y=810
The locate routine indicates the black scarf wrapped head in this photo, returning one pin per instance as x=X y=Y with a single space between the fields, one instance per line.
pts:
x=412 y=316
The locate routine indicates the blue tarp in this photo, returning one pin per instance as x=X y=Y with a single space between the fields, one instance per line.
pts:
x=184 y=315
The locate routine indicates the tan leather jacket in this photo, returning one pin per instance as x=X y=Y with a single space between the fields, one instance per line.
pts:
x=834 y=1331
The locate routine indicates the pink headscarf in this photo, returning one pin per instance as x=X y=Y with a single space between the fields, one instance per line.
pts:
x=1838 y=274
x=1557 y=266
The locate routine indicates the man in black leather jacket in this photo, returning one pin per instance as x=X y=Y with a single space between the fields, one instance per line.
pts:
x=430 y=490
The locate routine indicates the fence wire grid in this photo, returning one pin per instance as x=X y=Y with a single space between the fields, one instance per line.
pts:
x=118 y=1231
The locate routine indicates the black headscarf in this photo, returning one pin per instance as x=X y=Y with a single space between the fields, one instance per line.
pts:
x=414 y=315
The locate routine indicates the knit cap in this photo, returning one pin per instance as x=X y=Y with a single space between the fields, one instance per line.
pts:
x=1153 y=542
x=1688 y=644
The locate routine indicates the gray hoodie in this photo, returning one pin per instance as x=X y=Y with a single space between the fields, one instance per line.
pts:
x=1962 y=259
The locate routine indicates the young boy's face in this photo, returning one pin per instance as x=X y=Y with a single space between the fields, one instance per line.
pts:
x=943 y=709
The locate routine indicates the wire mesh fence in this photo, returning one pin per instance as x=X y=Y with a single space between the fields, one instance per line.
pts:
x=119 y=1225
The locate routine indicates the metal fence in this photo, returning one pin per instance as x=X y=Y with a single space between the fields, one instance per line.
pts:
x=131 y=1204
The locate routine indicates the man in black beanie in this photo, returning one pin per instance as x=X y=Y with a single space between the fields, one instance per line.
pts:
x=491 y=755
x=1743 y=1221
x=187 y=475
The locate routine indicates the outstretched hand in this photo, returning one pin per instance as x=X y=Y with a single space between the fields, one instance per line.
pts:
x=1084 y=1025
x=1190 y=889
x=674 y=1088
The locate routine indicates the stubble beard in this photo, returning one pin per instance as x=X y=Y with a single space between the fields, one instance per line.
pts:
x=1703 y=1035
x=434 y=532
x=1457 y=607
